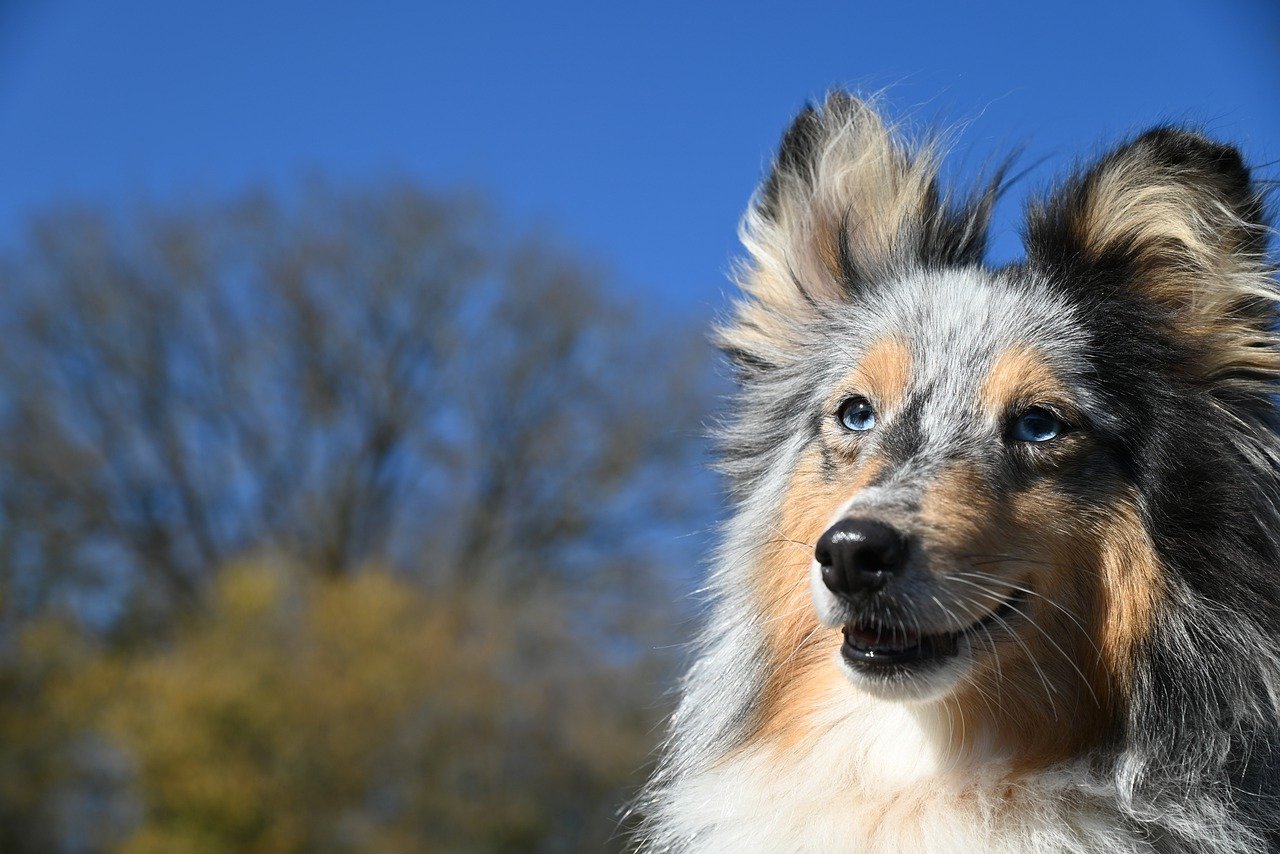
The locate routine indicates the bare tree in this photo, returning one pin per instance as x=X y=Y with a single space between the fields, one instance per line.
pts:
x=343 y=376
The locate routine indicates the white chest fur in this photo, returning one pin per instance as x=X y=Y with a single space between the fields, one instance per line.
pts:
x=875 y=780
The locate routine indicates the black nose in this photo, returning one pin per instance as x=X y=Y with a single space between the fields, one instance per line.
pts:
x=859 y=556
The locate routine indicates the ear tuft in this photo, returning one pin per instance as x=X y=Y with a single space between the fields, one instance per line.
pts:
x=797 y=151
x=848 y=201
x=1173 y=217
x=1168 y=189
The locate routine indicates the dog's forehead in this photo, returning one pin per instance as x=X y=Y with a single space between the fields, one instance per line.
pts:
x=957 y=325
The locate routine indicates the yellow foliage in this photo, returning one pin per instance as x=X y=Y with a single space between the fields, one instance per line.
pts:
x=42 y=711
x=364 y=713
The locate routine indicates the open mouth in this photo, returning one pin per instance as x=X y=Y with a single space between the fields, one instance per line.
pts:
x=885 y=650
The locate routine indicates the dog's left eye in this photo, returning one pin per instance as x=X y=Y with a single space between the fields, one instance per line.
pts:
x=857 y=414
x=1037 y=425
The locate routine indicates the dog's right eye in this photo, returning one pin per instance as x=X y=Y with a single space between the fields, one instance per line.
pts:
x=1037 y=425
x=857 y=414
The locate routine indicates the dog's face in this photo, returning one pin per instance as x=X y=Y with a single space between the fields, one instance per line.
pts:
x=957 y=464
x=960 y=472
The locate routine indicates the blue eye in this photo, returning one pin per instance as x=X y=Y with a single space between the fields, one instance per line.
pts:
x=1037 y=425
x=857 y=414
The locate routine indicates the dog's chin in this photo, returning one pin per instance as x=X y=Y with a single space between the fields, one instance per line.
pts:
x=911 y=678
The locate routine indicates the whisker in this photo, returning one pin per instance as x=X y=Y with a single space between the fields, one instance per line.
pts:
x=787 y=540
x=1050 y=691
x=960 y=576
x=803 y=643
x=970 y=607
x=799 y=609
x=999 y=668
x=951 y=614
x=1004 y=556
x=1026 y=617
x=1044 y=680
x=782 y=535
x=993 y=560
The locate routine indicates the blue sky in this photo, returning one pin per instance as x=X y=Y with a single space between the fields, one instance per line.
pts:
x=634 y=131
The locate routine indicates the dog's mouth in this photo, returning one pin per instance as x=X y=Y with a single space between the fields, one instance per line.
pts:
x=882 y=650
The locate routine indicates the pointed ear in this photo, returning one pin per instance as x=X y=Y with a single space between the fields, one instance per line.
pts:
x=1172 y=217
x=847 y=202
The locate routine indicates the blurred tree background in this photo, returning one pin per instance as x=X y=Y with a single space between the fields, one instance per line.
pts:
x=342 y=521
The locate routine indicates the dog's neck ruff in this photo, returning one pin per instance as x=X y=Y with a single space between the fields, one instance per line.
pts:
x=875 y=777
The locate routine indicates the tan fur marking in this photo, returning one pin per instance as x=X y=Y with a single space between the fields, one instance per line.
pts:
x=1020 y=374
x=1058 y=690
x=801 y=649
x=957 y=506
x=884 y=372
x=1131 y=588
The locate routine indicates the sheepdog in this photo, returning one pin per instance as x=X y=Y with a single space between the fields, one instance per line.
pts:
x=1002 y=571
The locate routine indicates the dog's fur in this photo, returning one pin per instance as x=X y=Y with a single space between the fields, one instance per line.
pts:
x=1132 y=705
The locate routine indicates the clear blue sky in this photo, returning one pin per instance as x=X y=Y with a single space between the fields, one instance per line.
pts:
x=634 y=130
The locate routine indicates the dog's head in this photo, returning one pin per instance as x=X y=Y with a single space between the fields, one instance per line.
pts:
x=955 y=469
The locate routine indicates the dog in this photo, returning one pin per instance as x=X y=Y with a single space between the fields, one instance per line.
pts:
x=1002 y=570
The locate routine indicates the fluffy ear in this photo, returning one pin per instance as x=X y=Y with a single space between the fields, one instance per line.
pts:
x=1175 y=218
x=847 y=202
